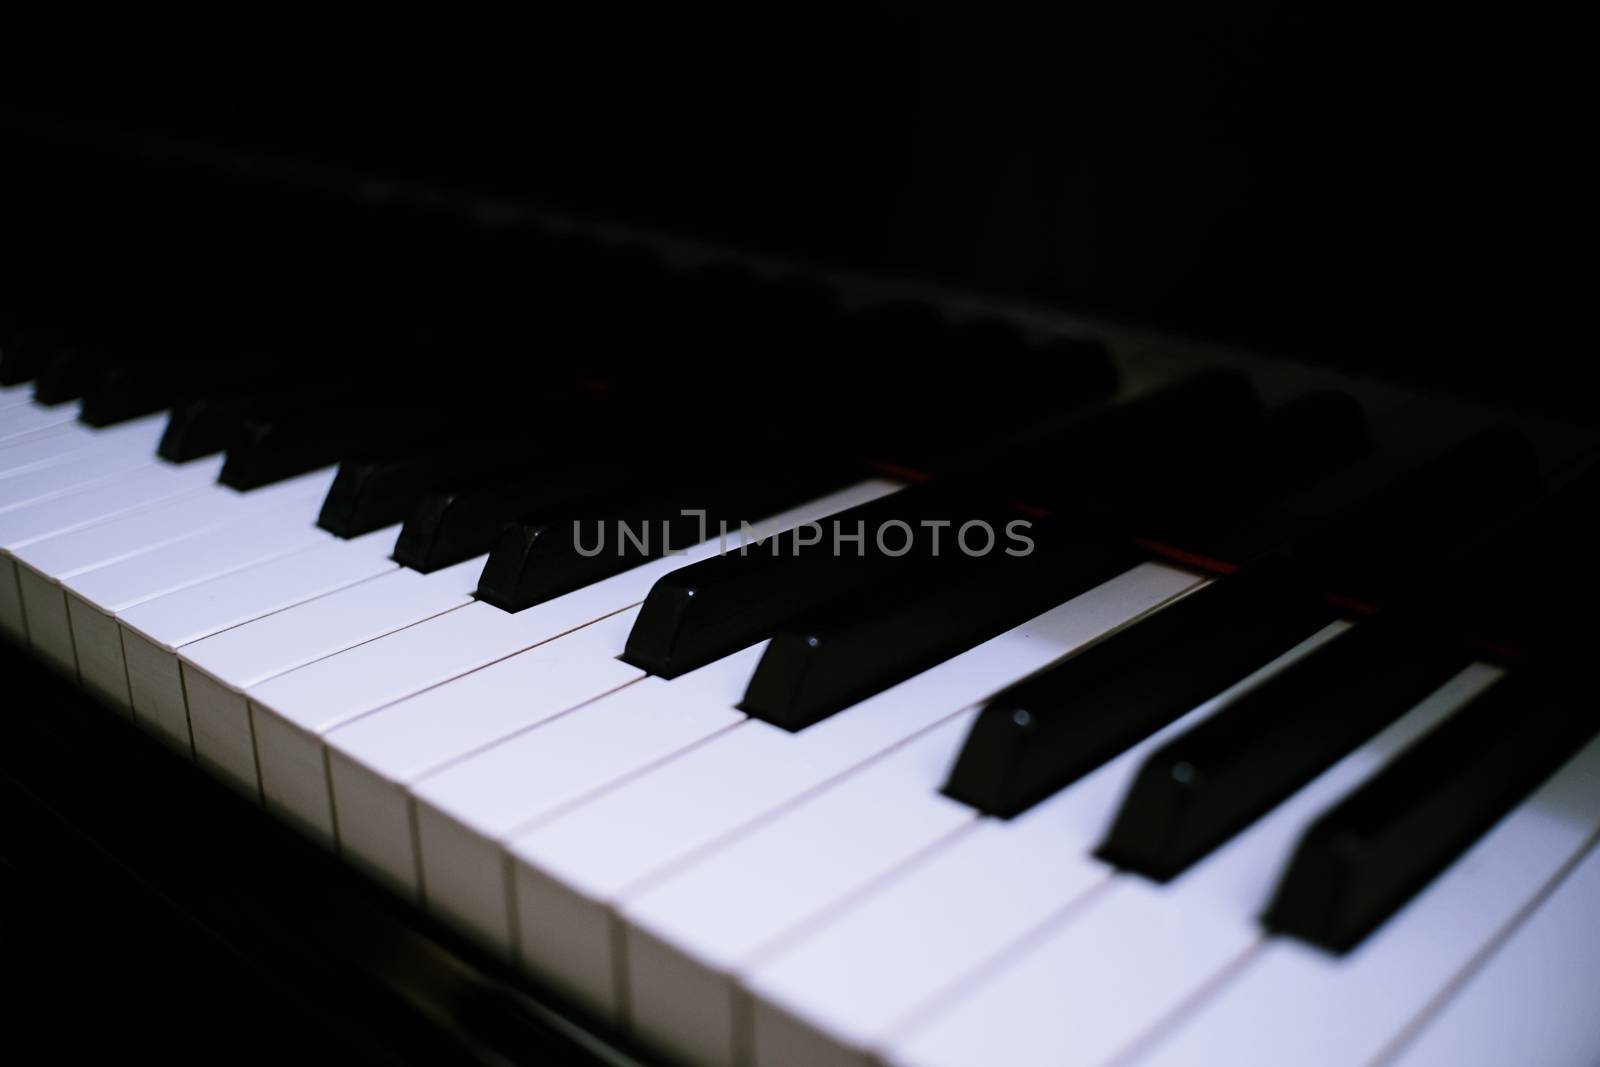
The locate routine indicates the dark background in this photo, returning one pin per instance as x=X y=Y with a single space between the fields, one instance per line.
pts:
x=1394 y=194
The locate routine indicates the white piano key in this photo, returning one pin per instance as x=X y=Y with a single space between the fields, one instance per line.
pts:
x=42 y=432
x=44 y=618
x=21 y=396
x=1533 y=1000
x=48 y=450
x=26 y=412
x=592 y=858
x=153 y=631
x=112 y=493
x=687 y=938
x=291 y=713
x=12 y=395
x=1292 y=1003
x=219 y=731
x=33 y=482
x=843 y=989
x=465 y=812
x=185 y=616
x=141 y=488
x=43 y=564
x=373 y=759
x=1116 y=967
x=218 y=670
x=24 y=419
x=177 y=565
x=97 y=651
x=95 y=597
x=76 y=472
x=137 y=437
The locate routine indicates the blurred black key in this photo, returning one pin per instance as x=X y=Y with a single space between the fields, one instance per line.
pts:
x=710 y=609
x=1382 y=542
x=24 y=352
x=1371 y=528
x=118 y=393
x=67 y=373
x=540 y=557
x=1101 y=460
x=1020 y=384
x=226 y=416
x=127 y=389
x=370 y=493
x=1046 y=732
x=1525 y=594
x=206 y=425
x=448 y=527
x=271 y=448
x=905 y=418
x=883 y=636
x=1197 y=791
x=1372 y=852
x=1314 y=434
x=1221 y=480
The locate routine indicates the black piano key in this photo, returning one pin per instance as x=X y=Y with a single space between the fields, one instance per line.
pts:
x=119 y=393
x=881 y=637
x=68 y=372
x=1051 y=377
x=1200 y=789
x=271 y=448
x=224 y=415
x=206 y=425
x=540 y=557
x=1372 y=527
x=715 y=607
x=1223 y=480
x=1462 y=493
x=1367 y=856
x=1101 y=460
x=370 y=493
x=901 y=421
x=1046 y=732
x=1525 y=595
x=24 y=353
x=453 y=525
x=1314 y=434
x=128 y=388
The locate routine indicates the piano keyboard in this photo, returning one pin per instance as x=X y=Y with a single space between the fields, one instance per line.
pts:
x=1117 y=804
